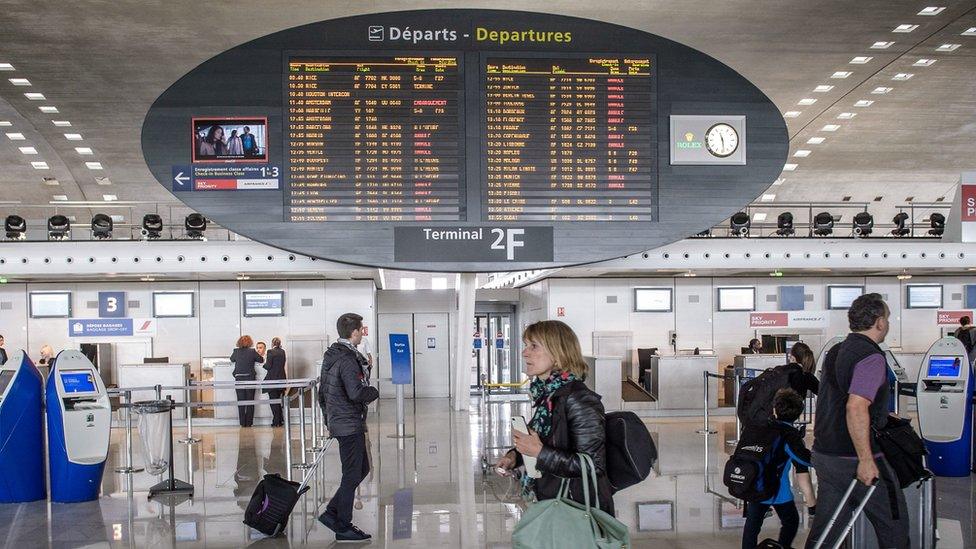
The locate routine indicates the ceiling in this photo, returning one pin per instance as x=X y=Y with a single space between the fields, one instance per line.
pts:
x=102 y=64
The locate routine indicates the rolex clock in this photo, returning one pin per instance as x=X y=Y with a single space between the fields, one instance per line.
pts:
x=721 y=140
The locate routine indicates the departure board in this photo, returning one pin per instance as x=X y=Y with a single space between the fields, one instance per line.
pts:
x=569 y=139
x=374 y=139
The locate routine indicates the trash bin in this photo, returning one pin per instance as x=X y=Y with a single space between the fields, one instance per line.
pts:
x=154 y=427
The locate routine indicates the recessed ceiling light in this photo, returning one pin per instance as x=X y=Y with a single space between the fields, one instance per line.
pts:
x=48 y=109
x=924 y=63
x=103 y=181
x=39 y=165
x=860 y=60
x=846 y=115
x=806 y=101
x=35 y=96
x=779 y=181
x=61 y=123
x=791 y=114
x=73 y=136
x=109 y=197
x=816 y=140
x=28 y=150
x=789 y=167
x=902 y=76
x=768 y=197
x=971 y=31
x=882 y=45
x=5 y=123
x=84 y=150
x=19 y=81
x=932 y=10
x=61 y=197
x=864 y=103
x=93 y=165
x=948 y=47
x=841 y=74
x=823 y=88
x=904 y=28
x=759 y=217
x=51 y=181
x=830 y=127
x=15 y=136
x=881 y=90
x=6 y=67
x=802 y=153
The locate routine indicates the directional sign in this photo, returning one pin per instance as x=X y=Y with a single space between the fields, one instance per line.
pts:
x=230 y=177
x=182 y=178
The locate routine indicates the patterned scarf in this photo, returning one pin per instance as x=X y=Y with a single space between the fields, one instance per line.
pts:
x=541 y=391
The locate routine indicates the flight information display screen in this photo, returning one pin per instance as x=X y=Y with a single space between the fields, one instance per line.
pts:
x=376 y=138
x=569 y=139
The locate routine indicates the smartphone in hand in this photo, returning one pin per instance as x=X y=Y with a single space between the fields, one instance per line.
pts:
x=519 y=424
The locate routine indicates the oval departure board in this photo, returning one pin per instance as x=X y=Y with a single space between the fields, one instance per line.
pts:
x=464 y=140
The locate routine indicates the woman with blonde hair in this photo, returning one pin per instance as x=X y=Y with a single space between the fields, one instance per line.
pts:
x=244 y=358
x=568 y=418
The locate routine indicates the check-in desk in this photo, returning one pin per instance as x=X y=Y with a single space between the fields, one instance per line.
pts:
x=147 y=375
x=604 y=379
x=223 y=372
x=678 y=382
x=752 y=365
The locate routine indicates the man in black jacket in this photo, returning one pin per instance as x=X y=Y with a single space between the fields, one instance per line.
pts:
x=344 y=393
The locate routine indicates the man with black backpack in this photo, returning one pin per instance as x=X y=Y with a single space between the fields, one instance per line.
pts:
x=759 y=470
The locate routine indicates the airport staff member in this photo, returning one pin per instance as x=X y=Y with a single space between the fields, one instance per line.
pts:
x=755 y=347
x=344 y=394
x=3 y=352
x=244 y=359
x=854 y=397
x=275 y=365
x=46 y=363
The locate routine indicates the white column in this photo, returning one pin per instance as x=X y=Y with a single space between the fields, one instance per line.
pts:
x=466 y=287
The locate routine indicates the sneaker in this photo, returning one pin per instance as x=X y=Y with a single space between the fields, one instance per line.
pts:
x=331 y=522
x=352 y=534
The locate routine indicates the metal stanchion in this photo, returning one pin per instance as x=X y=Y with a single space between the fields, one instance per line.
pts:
x=401 y=427
x=738 y=422
x=304 y=464
x=128 y=468
x=316 y=442
x=705 y=430
x=189 y=420
x=285 y=405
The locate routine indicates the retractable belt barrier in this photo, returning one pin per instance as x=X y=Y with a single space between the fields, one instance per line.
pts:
x=310 y=385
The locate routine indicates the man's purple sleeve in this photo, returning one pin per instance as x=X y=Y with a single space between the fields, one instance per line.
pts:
x=869 y=374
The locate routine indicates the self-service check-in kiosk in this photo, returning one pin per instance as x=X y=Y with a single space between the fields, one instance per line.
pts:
x=79 y=419
x=21 y=431
x=945 y=408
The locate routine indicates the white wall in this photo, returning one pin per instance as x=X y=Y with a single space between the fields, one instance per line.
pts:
x=588 y=305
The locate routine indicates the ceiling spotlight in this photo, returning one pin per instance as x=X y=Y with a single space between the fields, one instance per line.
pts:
x=937 y=221
x=900 y=229
x=784 y=224
x=101 y=226
x=739 y=224
x=195 y=225
x=58 y=227
x=863 y=224
x=776 y=274
x=16 y=227
x=823 y=224
x=152 y=226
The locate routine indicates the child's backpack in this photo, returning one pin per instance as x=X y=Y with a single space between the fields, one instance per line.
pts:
x=751 y=473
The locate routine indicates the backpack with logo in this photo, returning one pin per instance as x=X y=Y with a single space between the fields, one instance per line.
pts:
x=630 y=450
x=755 y=402
x=750 y=473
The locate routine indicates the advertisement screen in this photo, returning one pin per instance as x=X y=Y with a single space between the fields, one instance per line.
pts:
x=944 y=366
x=78 y=382
x=230 y=139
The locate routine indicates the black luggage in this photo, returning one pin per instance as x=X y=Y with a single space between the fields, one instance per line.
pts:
x=904 y=450
x=630 y=450
x=770 y=543
x=275 y=498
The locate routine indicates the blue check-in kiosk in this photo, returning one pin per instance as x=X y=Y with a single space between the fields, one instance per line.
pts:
x=79 y=419
x=21 y=431
x=945 y=407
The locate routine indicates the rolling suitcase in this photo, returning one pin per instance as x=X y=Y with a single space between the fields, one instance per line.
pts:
x=275 y=498
x=841 y=506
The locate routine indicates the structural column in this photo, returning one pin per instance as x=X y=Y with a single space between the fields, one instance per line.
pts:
x=466 y=285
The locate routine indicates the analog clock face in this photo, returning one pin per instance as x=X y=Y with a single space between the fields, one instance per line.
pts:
x=721 y=140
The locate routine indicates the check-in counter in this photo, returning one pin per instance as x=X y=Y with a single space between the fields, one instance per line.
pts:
x=147 y=375
x=912 y=364
x=679 y=382
x=223 y=371
x=604 y=379
x=753 y=364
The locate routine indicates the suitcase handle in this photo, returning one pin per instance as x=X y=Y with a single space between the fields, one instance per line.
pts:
x=854 y=515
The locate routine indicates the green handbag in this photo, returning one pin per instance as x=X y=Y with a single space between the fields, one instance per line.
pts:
x=560 y=522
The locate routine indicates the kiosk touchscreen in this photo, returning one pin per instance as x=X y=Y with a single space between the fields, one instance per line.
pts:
x=945 y=408
x=21 y=431
x=897 y=377
x=78 y=425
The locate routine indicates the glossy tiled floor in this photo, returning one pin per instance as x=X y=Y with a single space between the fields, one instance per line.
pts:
x=428 y=491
